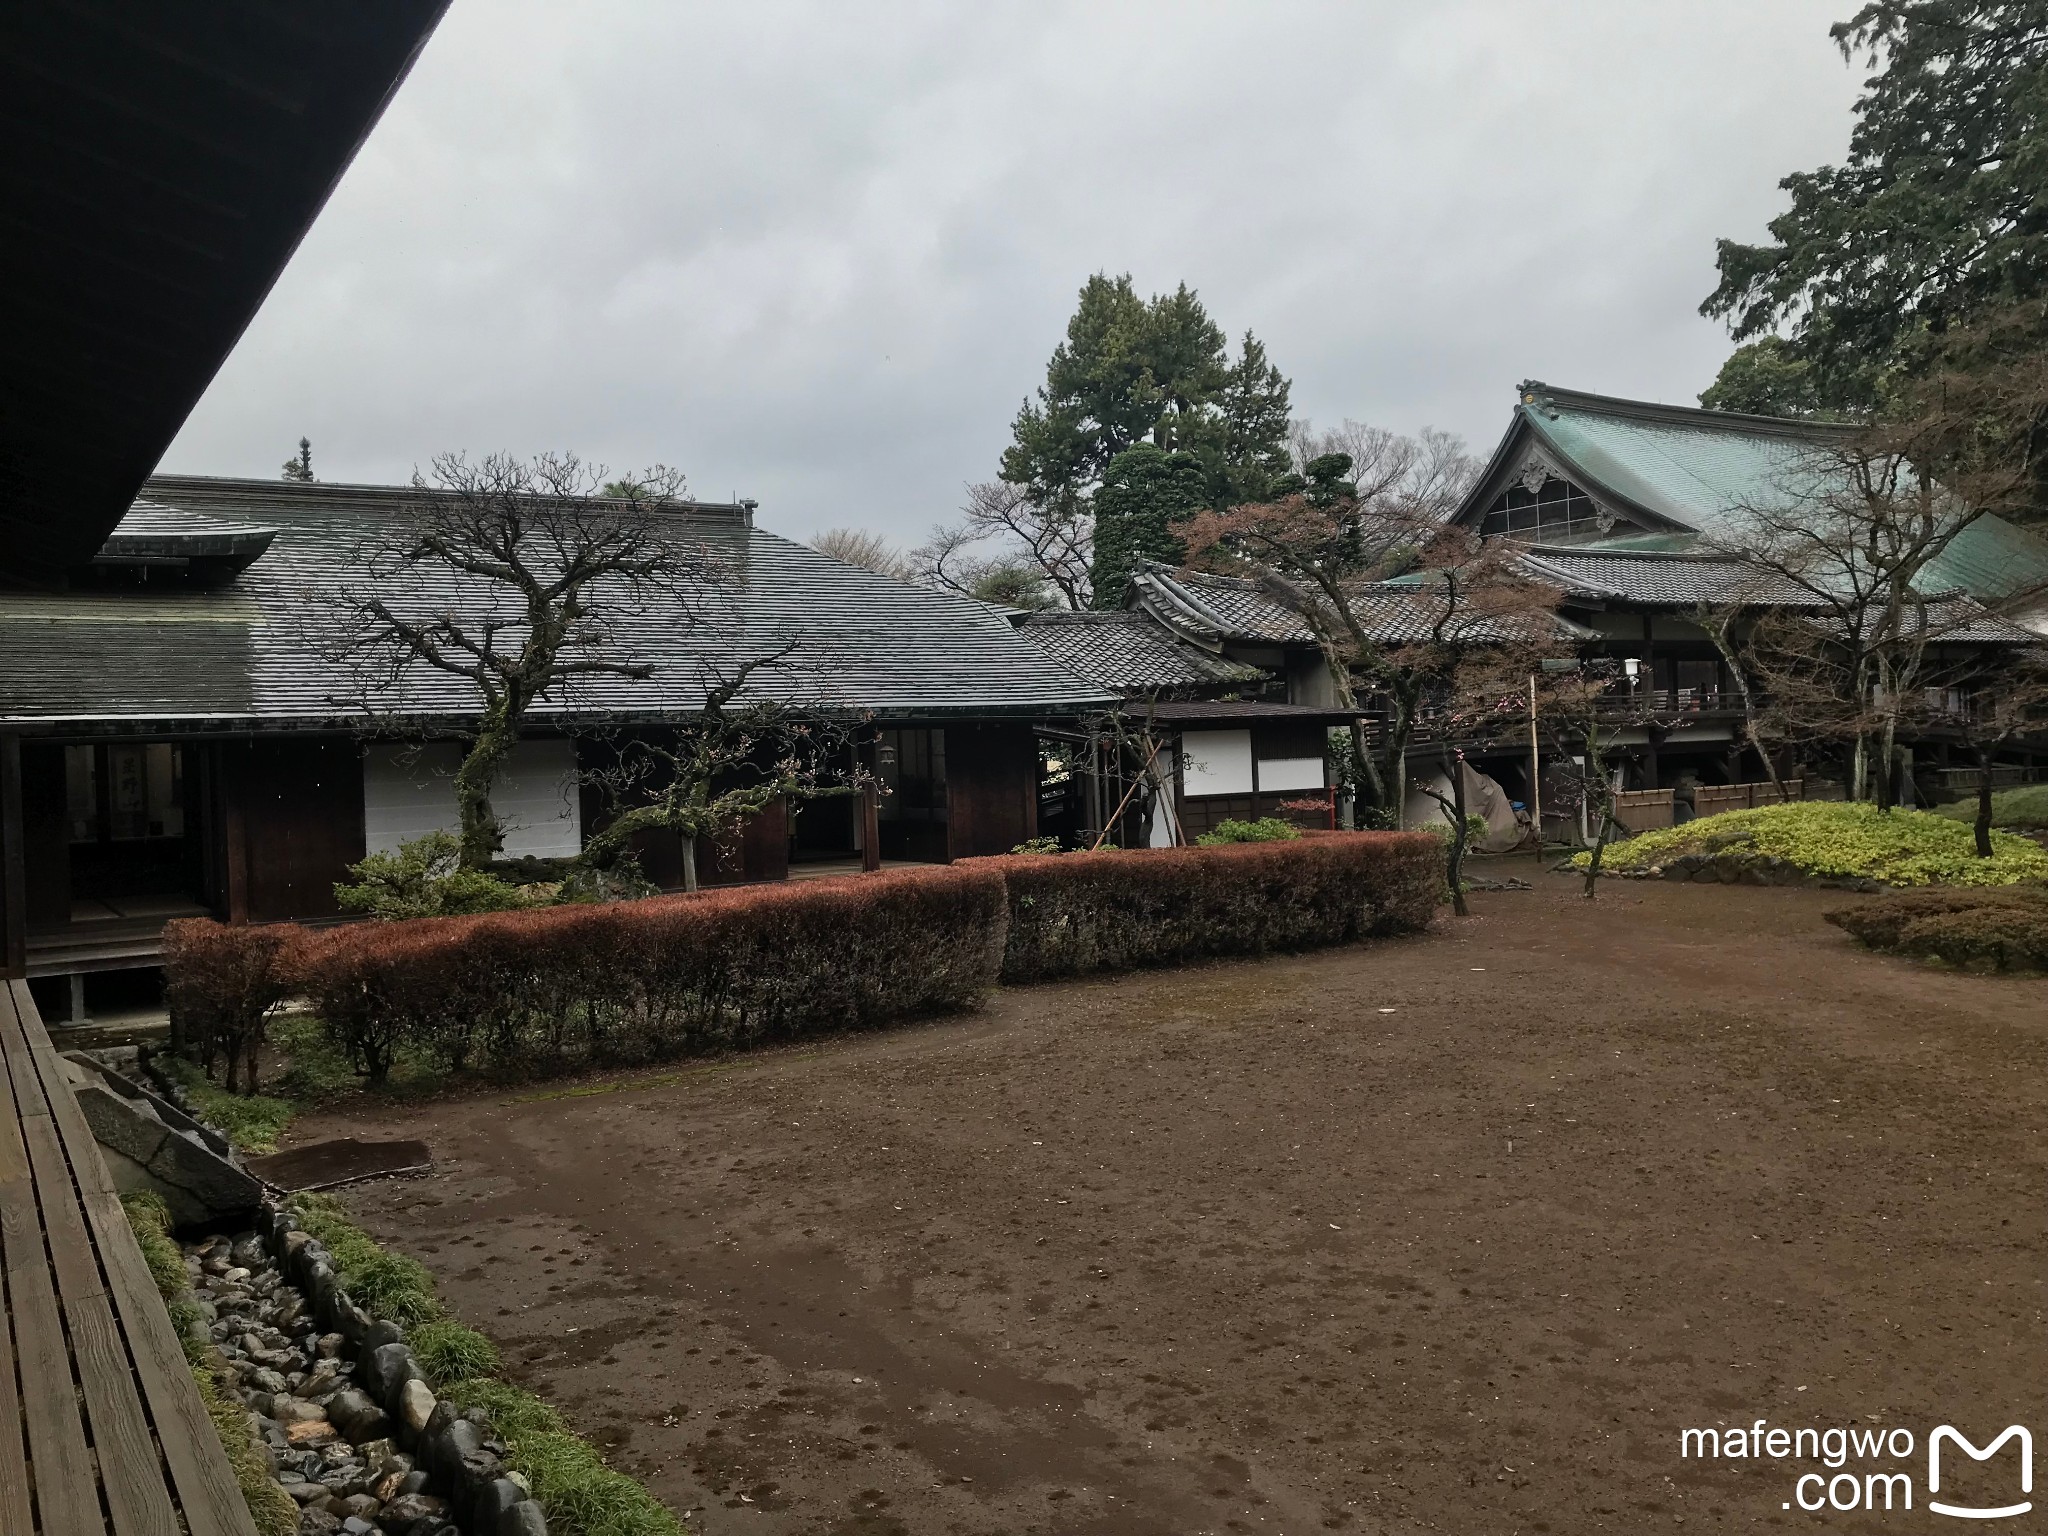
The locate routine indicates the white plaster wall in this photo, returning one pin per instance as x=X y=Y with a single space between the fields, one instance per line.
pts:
x=410 y=792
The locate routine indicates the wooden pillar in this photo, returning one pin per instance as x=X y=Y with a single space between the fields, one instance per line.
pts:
x=870 y=830
x=13 y=863
x=234 y=790
x=1656 y=739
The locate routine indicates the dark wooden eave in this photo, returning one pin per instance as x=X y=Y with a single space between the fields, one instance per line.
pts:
x=161 y=164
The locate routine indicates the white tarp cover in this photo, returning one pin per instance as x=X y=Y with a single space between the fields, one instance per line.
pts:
x=1484 y=798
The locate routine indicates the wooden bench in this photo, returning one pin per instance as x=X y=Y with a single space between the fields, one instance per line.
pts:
x=102 y=1431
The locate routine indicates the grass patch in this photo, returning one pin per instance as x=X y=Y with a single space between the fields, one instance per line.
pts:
x=252 y=1123
x=580 y=1495
x=2023 y=807
x=317 y=1071
x=452 y=1351
x=1837 y=840
x=270 y=1507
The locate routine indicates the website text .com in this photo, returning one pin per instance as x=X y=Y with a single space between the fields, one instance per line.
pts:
x=1841 y=1487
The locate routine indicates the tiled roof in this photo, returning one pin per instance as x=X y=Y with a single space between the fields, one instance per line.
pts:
x=1131 y=653
x=1654 y=579
x=1212 y=608
x=257 y=649
x=1398 y=613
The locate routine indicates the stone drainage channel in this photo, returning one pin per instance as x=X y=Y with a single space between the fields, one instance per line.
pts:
x=350 y=1428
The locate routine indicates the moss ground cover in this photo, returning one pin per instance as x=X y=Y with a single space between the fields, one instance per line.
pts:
x=1838 y=840
x=2025 y=807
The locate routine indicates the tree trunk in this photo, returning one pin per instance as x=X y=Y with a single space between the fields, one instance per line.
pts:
x=1983 y=827
x=482 y=836
x=1455 y=769
x=689 y=861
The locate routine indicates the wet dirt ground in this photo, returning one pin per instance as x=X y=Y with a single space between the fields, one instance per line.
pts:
x=1452 y=1233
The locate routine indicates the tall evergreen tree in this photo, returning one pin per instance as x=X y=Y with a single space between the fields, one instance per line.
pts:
x=1146 y=490
x=1937 y=218
x=1154 y=371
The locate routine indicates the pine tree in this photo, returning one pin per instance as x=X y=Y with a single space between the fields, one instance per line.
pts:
x=300 y=466
x=1146 y=491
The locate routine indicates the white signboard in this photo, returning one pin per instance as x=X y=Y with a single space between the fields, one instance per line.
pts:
x=1278 y=774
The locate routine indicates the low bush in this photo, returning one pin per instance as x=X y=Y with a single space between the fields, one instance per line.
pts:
x=425 y=878
x=2024 y=808
x=1836 y=840
x=1122 y=909
x=2003 y=929
x=1267 y=829
x=556 y=988
x=222 y=984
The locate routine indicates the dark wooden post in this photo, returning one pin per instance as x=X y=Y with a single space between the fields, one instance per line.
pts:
x=870 y=830
x=234 y=790
x=13 y=863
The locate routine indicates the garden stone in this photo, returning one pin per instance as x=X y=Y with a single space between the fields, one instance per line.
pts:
x=380 y=1333
x=305 y=1493
x=522 y=1519
x=375 y=1453
x=329 y=1345
x=350 y=1320
x=373 y=1428
x=312 y=1432
x=289 y=1410
x=357 y=1525
x=391 y=1367
x=407 y=1508
x=438 y=1419
x=317 y=1522
x=414 y=1481
x=348 y=1407
x=416 y=1406
x=491 y=1502
x=456 y=1444
x=362 y=1505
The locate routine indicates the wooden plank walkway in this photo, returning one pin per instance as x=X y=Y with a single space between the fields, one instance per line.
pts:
x=102 y=1432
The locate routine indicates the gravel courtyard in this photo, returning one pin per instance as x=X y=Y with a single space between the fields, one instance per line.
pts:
x=1453 y=1233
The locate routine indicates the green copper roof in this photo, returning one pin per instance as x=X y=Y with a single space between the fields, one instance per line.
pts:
x=1689 y=475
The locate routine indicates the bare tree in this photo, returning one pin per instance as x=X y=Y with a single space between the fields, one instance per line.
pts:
x=505 y=575
x=869 y=551
x=727 y=764
x=1424 y=477
x=1326 y=553
x=1001 y=529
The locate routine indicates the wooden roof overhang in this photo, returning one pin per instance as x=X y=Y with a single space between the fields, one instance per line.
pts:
x=162 y=163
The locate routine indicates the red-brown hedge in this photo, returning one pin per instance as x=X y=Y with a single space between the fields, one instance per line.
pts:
x=665 y=977
x=222 y=984
x=554 y=988
x=1076 y=913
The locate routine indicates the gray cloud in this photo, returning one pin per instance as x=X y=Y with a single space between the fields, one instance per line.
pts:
x=816 y=254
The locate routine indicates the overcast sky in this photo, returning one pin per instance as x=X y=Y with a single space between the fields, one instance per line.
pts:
x=817 y=254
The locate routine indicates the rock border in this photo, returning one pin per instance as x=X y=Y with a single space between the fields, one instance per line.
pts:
x=374 y=1396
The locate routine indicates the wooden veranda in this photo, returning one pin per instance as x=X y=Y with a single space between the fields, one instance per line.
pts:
x=102 y=1431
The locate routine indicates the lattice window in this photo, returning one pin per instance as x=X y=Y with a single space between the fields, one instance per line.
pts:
x=1555 y=510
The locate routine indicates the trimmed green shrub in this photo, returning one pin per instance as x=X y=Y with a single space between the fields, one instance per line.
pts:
x=1836 y=840
x=563 y=987
x=425 y=878
x=1122 y=909
x=1267 y=829
x=2022 y=808
x=2004 y=929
